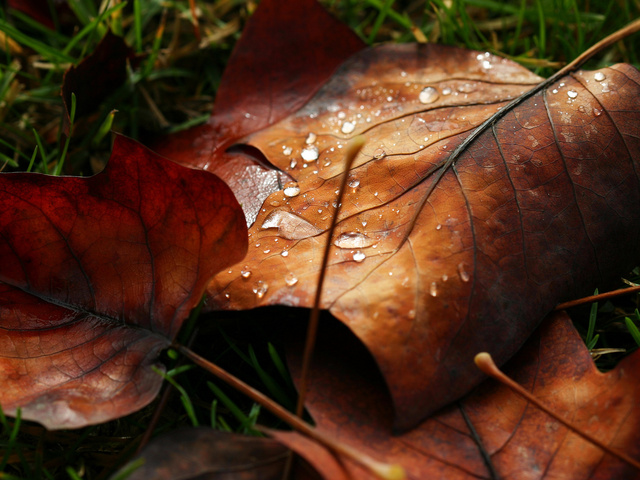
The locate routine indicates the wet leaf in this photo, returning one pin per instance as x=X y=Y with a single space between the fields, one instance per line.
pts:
x=432 y=265
x=97 y=276
x=347 y=399
x=283 y=57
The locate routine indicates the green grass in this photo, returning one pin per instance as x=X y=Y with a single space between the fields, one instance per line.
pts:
x=173 y=88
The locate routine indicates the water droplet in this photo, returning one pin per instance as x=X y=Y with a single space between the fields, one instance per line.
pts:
x=605 y=87
x=446 y=91
x=428 y=95
x=226 y=295
x=555 y=90
x=445 y=277
x=287 y=150
x=439 y=227
x=293 y=163
x=348 y=127
x=341 y=115
x=353 y=240
x=355 y=183
x=311 y=138
x=464 y=276
x=291 y=189
x=486 y=64
x=285 y=253
x=467 y=88
x=290 y=226
x=290 y=279
x=599 y=76
x=245 y=273
x=359 y=257
x=327 y=163
x=597 y=112
x=267 y=250
x=389 y=99
x=572 y=94
x=433 y=289
x=260 y=288
x=309 y=153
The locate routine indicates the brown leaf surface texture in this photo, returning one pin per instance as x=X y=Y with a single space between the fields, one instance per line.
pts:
x=518 y=440
x=427 y=279
x=282 y=59
x=97 y=276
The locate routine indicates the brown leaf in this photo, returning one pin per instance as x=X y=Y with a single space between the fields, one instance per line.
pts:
x=97 y=276
x=283 y=57
x=426 y=279
x=350 y=403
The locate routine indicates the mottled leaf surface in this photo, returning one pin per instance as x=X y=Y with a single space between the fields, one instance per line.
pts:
x=348 y=401
x=97 y=276
x=428 y=271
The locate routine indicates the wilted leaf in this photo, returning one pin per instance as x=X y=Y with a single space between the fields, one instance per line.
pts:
x=97 y=276
x=285 y=54
x=348 y=401
x=426 y=279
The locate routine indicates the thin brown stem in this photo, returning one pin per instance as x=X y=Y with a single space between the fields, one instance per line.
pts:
x=381 y=470
x=597 y=298
x=486 y=364
x=352 y=150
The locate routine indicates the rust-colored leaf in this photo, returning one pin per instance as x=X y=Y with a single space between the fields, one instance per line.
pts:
x=518 y=441
x=285 y=54
x=431 y=266
x=97 y=276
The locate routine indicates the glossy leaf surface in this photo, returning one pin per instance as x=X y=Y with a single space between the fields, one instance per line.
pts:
x=428 y=271
x=97 y=276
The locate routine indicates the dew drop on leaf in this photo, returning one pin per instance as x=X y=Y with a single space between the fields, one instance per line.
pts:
x=291 y=189
x=428 y=95
x=355 y=183
x=290 y=225
x=245 y=273
x=359 y=257
x=348 y=127
x=572 y=94
x=311 y=138
x=260 y=288
x=310 y=153
x=433 y=289
x=290 y=279
x=599 y=76
x=285 y=253
x=353 y=240
x=464 y=275
x=287 y=150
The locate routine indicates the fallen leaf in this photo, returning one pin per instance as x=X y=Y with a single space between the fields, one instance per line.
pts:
x=203 y=453
x=283 y=57
x=492 y=426
x=427 y=270
x=97 y=276
x=96 y=77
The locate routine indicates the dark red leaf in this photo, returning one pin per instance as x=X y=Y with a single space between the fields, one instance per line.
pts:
x=285 y=54
x=97 y=276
